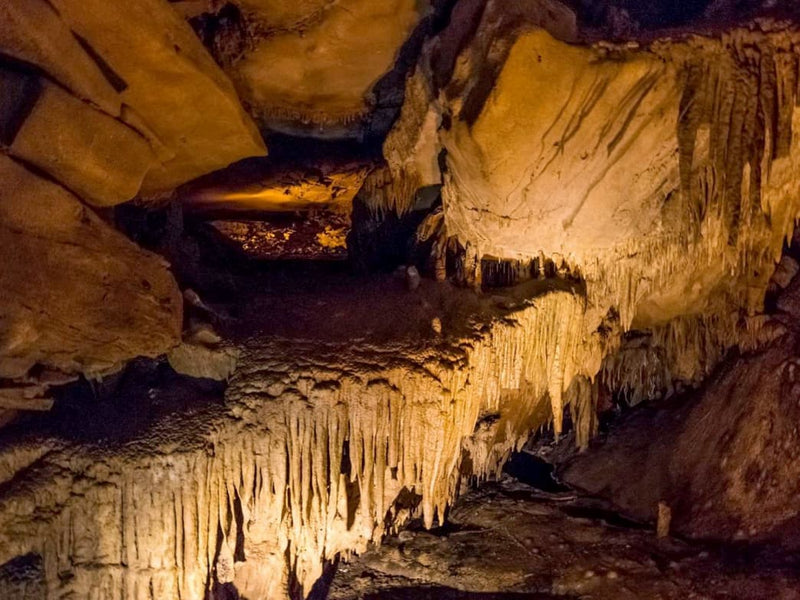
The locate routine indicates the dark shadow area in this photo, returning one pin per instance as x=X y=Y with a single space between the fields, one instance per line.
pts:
x=321 y=588
x=658 y=14
x=535 y=472
x=125 y=407
x=22 y=578
x=446 y=593
x=596 y=512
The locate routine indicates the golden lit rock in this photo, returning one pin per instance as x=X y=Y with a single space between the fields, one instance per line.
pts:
x=168 y=79
x=555 y=229
x=316 y=65
x=31 y=31
x=99 y=158
x=76 y=295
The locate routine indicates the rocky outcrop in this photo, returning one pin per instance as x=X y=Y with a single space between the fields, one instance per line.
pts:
x=725 y=459
x=171 y=114
x=313 y=65
x=78 y=145
x=306 y=461
x=627 y=166
x=75 y=295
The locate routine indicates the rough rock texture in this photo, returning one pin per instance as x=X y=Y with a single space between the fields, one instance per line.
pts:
x=277 y=188
x=726 y=461
x=33 y=32
x=80 y=147
x=280 y=210
x=313 y=64
x=75 y=295
x=509 y=541
x=650 y=189
x=316 y=442
x=662 y=176
x=155 y=79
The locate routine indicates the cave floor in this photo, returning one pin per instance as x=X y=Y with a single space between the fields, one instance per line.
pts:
x=508 y=540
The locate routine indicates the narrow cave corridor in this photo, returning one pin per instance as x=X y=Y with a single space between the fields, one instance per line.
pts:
x=410 y=299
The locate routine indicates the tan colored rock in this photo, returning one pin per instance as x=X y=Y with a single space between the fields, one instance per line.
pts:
x=725 y=458
x=625 y=166
x=282 y=15
x=97 y=157
x=75 y=295
x=577 y=170
x=257 y=492
x=31 y=31
x=326 y=186
x=197 y=360
x=171 y=82
x=321 y=73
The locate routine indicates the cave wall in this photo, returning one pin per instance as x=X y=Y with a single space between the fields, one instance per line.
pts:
x=100 y=112
x=659 y=173
x=659 y=177
x=76 y=295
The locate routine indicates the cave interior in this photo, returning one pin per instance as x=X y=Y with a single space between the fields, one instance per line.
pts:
x=399 y=299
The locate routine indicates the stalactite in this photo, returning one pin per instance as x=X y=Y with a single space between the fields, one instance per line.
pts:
x=263 y=495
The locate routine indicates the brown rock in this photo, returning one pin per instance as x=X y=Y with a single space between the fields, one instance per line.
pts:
x=31 y=30
x=171 y=82
x=99 y=158
x=322 y=76
x=75 y=295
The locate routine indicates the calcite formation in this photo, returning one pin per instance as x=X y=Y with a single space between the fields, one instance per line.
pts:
x=304 y=463
x=660 y=175
x=647 y=188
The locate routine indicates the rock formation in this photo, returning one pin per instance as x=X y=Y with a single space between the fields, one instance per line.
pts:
x=627 y=165
x=638 y=192
x=317 y=62
x=77 y=296
x=156 y=80
x=304 y=463
x=744 y=421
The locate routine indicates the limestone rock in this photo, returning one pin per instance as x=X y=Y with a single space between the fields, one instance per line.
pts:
x=201 y=361
x=31 y=31
x=171 y=82
x=266 y=188
x=345 y=423
x=622 y=165
x=725 y=458
x=97 y=157
x=320 y=60
x=75 y=294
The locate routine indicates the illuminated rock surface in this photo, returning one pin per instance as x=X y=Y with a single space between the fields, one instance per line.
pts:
x=643 y=191
x=725 y=458
x=156 y=80
x=75 y=295
x=316 y=441
x=314 y=64
x=660 y=175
